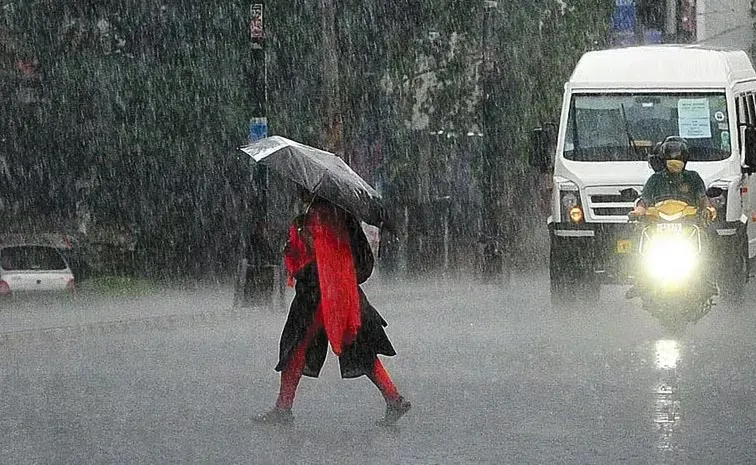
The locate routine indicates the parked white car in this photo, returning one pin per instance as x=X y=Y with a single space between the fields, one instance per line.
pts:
x=34 y=268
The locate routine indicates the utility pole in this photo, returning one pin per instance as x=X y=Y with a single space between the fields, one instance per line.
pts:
x=670 y=23
x=489 y=240
x=255 y=279
x=332 y=99
x=258 y=88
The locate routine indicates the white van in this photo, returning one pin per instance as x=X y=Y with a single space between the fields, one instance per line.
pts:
x=617 y=105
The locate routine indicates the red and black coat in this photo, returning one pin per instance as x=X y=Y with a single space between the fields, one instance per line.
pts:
x=327 y=287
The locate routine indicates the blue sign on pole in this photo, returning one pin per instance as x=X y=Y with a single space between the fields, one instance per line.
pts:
x=623 y=18
x=258 y=129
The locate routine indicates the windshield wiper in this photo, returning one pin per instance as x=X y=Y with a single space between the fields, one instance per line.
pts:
x=630 y=140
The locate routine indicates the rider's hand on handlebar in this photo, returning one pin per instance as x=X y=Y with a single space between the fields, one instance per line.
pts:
x=707 y=215
x=637 y=212
x=712 y=213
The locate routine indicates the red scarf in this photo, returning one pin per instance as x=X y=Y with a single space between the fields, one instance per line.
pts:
x=339 y=299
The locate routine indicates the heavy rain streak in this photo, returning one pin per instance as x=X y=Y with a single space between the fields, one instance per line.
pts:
x=459 y=217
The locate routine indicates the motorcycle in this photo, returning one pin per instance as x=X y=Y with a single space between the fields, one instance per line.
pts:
x=674 y=280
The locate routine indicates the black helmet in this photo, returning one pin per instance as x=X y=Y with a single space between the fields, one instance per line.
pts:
x=674 y=148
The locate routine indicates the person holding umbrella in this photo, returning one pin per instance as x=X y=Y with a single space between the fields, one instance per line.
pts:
x=328 y=256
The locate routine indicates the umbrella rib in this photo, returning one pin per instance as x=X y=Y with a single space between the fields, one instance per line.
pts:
x=316 y=188
x=314 y=193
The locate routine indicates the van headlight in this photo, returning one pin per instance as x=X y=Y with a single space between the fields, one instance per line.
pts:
x=569 y=202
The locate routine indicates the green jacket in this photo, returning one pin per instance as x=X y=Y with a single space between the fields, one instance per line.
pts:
x=687 y=186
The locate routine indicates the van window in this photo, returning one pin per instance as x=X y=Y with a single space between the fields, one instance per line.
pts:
x=742 y=111
x=751 y=109
x=624 y=127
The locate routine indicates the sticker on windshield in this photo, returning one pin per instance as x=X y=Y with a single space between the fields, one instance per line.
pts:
x=724 y=136
x=693 y=118
x=719 y=116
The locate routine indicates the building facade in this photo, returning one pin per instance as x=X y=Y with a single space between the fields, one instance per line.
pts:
x=722 y=23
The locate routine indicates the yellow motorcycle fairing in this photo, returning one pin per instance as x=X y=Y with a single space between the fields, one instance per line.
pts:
x=671 y=210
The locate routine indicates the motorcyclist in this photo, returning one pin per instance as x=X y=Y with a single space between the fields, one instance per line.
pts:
x=672 y=181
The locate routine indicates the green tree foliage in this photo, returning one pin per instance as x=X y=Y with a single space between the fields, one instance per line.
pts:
x=142 y=103
x=143 y=107
x=537 y=45
x=518 y=54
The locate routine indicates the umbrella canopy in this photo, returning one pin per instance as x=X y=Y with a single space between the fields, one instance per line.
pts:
x=322 y=173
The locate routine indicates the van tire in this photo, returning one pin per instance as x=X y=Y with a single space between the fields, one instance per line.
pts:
x=735 y=273
x=562 y=287
x=561 y=277
x=572 y=278
x=590 y=286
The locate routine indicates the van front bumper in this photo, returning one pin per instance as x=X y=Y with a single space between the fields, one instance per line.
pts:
x=606 y=249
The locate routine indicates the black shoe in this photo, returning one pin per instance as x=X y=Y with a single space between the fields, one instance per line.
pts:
x=277 y=416
x=394 y=411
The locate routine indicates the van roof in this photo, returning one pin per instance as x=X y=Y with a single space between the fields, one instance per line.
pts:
x=670 y=66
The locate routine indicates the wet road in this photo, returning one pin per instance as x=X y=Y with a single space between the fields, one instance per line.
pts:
x=496 y=376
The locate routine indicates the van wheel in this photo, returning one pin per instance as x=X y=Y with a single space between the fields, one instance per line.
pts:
x=570 y=286
x=572 y=278
x=735 y=276
x=590 y=286
x=561 y=275
x=562 y=288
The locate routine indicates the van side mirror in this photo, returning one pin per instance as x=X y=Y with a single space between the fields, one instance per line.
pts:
x=714 y=192
x=749 y=138
x=542 y=144
x=537 y=149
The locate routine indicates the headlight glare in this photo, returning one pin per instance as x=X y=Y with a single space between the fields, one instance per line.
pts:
x=670 y=258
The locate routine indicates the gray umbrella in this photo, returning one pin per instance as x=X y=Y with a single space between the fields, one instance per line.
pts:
x=321 y=173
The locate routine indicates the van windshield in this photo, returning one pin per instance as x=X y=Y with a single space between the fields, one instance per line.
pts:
x=625 y=127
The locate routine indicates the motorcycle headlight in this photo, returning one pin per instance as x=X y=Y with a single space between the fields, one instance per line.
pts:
x=670 y=258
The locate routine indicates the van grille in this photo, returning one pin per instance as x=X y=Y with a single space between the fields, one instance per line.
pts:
x=612 y=211
x=611 y=203
x=612 y=198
